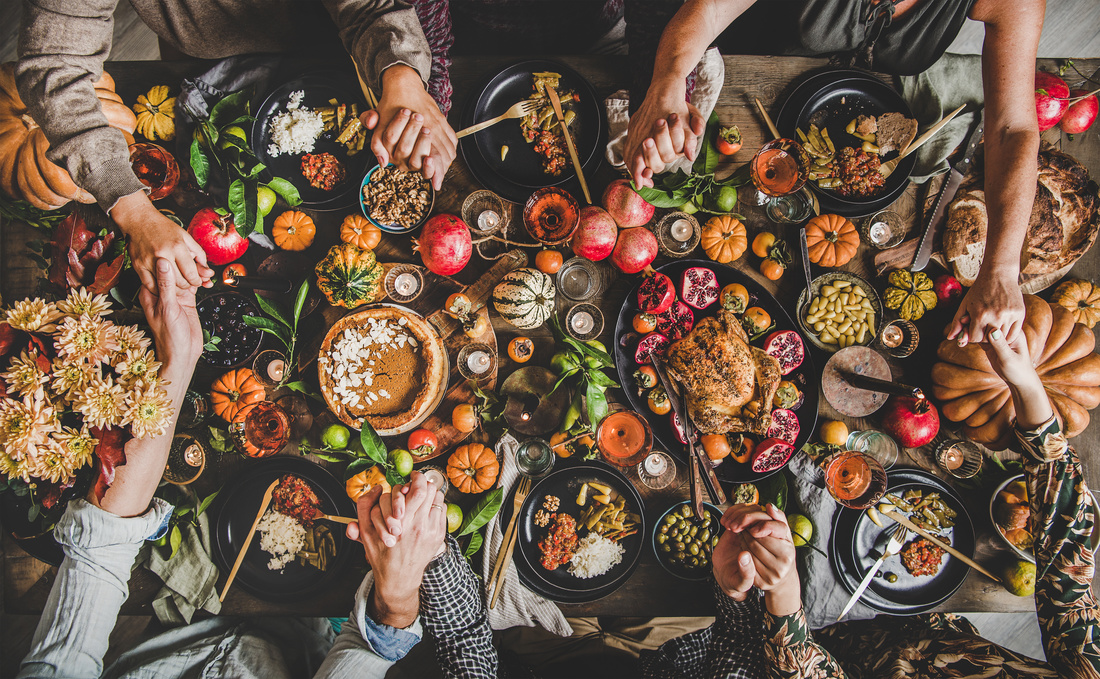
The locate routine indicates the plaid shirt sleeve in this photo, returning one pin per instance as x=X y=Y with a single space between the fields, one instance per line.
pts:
x=453 y=611
x=731 y=648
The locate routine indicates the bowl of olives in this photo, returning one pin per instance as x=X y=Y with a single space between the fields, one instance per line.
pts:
x=683 y=543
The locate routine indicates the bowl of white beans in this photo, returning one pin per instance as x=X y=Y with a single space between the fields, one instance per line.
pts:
x=840 y=310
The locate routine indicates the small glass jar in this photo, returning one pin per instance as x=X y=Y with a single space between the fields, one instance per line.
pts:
x=793 y=208
x=959 y=458
x=534 y=458
x=584 y=322
x=186 y=460
x=270 y=368
x=877 y=444
x=579 y=279
x=404 y=283
x=657 y=470
x=193 y=411
x=884 y=230
x=476 y=360
x=678 y=233
x=485 y=212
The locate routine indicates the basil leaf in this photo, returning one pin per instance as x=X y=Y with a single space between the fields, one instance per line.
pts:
x=595 y=404
x=373 y=447
x=200 y=164
x=286 y=191
x=271 y=310
x=485 y=509
x=300 y=302
x=476 y=540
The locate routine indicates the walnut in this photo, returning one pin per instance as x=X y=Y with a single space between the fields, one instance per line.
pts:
x=551 y=503
x=397 y=197
x=542 y=519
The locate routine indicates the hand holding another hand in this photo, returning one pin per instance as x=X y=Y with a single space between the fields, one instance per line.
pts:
x=663 y=128
x=992 y=303
x=172 y=317
x=155 y=237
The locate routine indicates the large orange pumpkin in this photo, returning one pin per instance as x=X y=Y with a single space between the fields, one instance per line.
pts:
x=293 y=230
x=831 y=240
x=473 y=468
x=358 y=231
x=724 y=239
x=25 y=172
x=233 y=391
x=1062 y=352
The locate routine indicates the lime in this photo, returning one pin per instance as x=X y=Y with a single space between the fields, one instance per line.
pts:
x=232 y=131
x=402 y=461
x=801 y=529
x=726 y=199
x=563 y=362
x=265 y=200
x=336 y=437
x=454 y=517
x=1019 y=578
x=689 y=207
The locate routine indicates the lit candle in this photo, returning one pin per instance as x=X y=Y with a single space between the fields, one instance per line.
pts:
x=583 y=322
x=892 y=336
x=681 y=230
x=433 y=476
x=193 y=455
x=276 y=369
x=488 y=220
x=478 y=362
x=952 y=458
x=655 y=464
x=880 y=232
x=405 y=284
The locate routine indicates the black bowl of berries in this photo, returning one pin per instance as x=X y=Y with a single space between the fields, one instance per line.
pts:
x=229 y=341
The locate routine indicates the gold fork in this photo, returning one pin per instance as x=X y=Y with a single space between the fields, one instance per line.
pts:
x=509 y=541
x=887 y=168
x=517 y=110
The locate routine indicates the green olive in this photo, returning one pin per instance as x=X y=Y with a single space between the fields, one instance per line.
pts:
x=679 y=546
x=685 y=511
x=666 y=548
x=695 y=562
x=694 y=549
x=694 y=531
x=664 y=529
x=671 y=518
x=705 y=535
x=891 y=577
x=661 y=539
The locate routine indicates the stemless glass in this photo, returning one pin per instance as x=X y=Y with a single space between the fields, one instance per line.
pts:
x=780 y=167
x=877 y=444
x=534 y=458
x=855 y=480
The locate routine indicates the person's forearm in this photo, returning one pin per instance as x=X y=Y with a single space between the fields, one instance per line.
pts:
x=687 y=37
x=454 y=612
x=1010 y=176
x=786 y=599
x=1031 y=402
x=395 y=609
x=132 y=213
x=379 y=34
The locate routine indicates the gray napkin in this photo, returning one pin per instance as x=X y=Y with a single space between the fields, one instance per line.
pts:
x=517 y=606
x=823 y=596
x=954 y=80
x=190 y=577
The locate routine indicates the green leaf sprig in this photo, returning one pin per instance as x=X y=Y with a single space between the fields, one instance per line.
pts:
x=284 y=327
x=481 y=514
x=582 y=367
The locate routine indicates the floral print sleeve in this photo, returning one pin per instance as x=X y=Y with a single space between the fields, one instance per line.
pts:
x=790 y=650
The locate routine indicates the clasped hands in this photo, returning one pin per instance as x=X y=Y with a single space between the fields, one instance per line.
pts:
x=756 y=550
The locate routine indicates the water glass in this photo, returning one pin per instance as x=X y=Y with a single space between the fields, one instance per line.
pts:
x=793 y=208
x=534 y=458
x=579 y=279
x=877 y=444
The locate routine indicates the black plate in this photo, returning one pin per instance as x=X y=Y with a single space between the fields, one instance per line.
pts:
x=730 y=471
x=318 y=88
x=832 y=99
x=854 y=536
x=235 y=510
x=565 y=483
x=521 y=172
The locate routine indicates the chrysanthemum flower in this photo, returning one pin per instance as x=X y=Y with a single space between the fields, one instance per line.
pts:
x=81 y=302
x=148 y=410
x=24 y=376
x=77 y=446
x=25 y=424
x=130 y=339
x=140 y=365
x=33 y=315
x=69 y=377
x=87 y=338
x=102 y=402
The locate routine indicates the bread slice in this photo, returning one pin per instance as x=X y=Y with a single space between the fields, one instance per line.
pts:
x=895 y=131
x=964 y=235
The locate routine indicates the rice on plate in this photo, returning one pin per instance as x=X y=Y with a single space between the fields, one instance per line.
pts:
x=595 y=556
x=282 y=537
x=296 y=129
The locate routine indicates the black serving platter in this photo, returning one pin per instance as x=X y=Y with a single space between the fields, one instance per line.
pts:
x=520 y=173
x=318 y=88
x=831 y=100
x=565 y=483
x=804 y=376
x=235 y=510
x=854 y=535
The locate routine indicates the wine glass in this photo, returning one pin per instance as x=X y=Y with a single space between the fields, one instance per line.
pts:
x=780 y=167
x=855 y=480
x=263 y=431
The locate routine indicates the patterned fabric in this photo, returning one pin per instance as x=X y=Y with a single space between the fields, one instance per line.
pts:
x=452 y=610
x=435 y=20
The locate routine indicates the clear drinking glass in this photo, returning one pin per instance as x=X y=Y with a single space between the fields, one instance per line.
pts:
x=877 y=444
x=534 y=458
x=657 y=470
x=793 y=208
x=579 y=279
x=780 y=167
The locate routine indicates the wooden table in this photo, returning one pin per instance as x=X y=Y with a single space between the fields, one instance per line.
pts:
x=650 y=591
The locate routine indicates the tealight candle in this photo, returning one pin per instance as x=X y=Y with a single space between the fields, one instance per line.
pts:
x=681 y=230
x=434 y=476
x=478 y=362
x=892 y=336
x=655 y=464
x=951 y=458
x=880 y=232
x=405 y=284
x=276 y=369
x=488 y=220
x=193 y=455
x=582 y=322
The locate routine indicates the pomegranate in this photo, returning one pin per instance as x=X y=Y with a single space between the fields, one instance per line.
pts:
x=595 y=237
x=676 y=322
x=678 y=427
x=699 y=287
x=784 y=425
x=444 y=244
x=625 y=205
x=1051 y=99
x=947 y=288
x=914 y=422
x=217 y=236
x=656 y=293
x=770 y=455
x=786 y=347
x=654 y=343
x=635 y=250
x=1080 y=114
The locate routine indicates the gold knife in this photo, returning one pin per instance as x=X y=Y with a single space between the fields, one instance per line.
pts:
x=556 y=103
x=898 y=517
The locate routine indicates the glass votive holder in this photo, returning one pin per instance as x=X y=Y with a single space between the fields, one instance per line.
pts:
x=476 y=360
x=899 y=338
x=579 y=279
x=534 y=458
x=435 y=477
x=186 y=460
x=884 y=230
x=551 y=216
x=657 y=470
x=877 y=444
x=959 y=458
x=678 y=233
x=269 y=368
x=584 y=322
x=193 y=411
x=485 y=212
x=404 y=283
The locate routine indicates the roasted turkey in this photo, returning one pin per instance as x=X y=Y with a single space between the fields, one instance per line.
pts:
x=728 y=385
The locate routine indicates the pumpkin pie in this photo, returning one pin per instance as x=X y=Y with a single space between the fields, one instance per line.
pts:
x=385 y=365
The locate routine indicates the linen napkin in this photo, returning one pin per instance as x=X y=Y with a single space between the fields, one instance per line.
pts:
x=517 y=606
x=190 y=577
x=954 y=80
x=709 y=76
x=823 y=596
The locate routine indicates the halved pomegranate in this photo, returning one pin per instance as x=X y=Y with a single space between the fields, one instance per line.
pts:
x=771 y=454
x=656 y=293
x=654 y=343
x=784 y=425
x=786 y=347
x=699 y=287
x=676 y=322
x=678 y=427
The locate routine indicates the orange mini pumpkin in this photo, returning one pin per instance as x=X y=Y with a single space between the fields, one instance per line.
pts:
x=233 y=391
x=361 y=483
x=724 y=239
x=831 y=240
x=293 y=230
x=473 y=468
x=357 y=230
